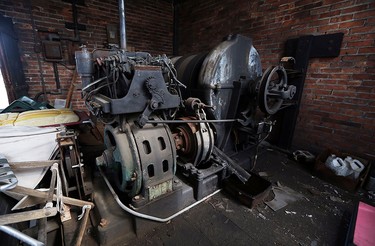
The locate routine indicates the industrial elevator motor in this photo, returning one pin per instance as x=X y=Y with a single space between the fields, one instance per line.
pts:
x=176 y=120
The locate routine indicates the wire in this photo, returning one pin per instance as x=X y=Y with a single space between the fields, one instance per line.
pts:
x=173 y=74
x=101 y=119
x=95 y=90
x=94 y=83
x=257 y=149
x=108 y=74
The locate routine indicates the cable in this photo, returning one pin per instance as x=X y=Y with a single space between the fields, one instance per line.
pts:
x=257 y=149
x=150 y=217
x=96 y=89
x=173 y=74
x=94 y=83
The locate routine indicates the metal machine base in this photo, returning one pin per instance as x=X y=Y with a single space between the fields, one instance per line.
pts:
x=117 y=226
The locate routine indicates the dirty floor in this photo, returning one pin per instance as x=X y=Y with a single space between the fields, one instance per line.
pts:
x=317 y=218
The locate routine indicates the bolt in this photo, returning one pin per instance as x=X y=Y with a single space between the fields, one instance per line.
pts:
x=103 y=222
x=134 y=177
x=154 y=105
x=176 y=181
x=136 y=198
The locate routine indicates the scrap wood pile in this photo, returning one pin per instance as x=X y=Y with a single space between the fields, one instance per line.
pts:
x=62 y=187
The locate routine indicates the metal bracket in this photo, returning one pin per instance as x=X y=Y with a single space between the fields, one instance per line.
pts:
x=302 y=49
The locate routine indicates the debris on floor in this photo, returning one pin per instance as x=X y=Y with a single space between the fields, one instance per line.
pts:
x=283 y=196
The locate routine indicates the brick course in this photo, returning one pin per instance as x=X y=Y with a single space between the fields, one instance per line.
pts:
x=338 y=104
x=149 y=28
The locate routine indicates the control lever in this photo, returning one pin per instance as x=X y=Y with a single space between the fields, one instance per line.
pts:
x=233 y=167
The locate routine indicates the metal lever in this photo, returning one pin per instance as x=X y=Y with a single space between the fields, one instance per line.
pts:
x=236 y=169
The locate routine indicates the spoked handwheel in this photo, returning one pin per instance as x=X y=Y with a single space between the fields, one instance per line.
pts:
x=273 y=81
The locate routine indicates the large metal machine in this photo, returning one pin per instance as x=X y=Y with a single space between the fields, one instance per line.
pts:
x=177 y=120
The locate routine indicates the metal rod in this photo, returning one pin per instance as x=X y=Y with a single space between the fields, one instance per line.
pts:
x=121 y=13
x=176 y=7
x=57 y=77
x=21 y=236
x=190 y=121
x=236 y=169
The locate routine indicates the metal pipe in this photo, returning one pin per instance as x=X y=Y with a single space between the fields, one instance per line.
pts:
x=190 y=121
x=75 y=20
x=57 y=77
x=146 y=216
x=121 y=13
x=21 y=236
x=176 y=6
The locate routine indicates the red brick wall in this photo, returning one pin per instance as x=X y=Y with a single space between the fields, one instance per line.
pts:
x=149 y=28
x=338 y=104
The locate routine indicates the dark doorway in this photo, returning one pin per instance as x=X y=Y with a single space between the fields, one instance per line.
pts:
x=10 y=62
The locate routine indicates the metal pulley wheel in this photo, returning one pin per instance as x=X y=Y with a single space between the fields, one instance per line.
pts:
x=70 y=161
x=194 y=142
x=184 y=137
x=270 y=89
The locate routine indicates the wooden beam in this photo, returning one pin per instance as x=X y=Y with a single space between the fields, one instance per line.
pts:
x=41 y=194
x=26 y=216
x=32 y=164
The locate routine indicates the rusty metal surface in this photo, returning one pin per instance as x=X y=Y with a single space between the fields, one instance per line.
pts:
x=194 y=141
x=147 y=67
